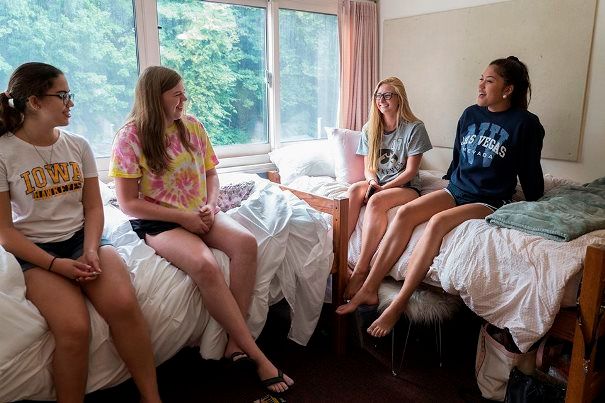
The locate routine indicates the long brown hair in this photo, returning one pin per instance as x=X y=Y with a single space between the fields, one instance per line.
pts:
x=29 y=79
x=149 y=119
x=376 y=125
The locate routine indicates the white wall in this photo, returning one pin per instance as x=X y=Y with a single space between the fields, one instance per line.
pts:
x=591 y=160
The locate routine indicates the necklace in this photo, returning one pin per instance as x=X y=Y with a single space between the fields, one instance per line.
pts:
x=52 y=149
x=50 y=160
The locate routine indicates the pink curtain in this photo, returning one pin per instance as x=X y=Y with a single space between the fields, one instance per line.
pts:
x=358 y=36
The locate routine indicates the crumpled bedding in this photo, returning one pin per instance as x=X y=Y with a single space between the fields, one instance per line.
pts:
x=170 y=301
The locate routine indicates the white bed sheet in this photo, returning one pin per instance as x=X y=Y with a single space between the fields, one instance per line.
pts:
x=170 y=301
x=511 y=279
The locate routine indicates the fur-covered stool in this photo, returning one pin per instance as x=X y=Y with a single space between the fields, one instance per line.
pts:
x=428 y=306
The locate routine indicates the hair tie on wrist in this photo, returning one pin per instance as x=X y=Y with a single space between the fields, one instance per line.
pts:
x=50 y=266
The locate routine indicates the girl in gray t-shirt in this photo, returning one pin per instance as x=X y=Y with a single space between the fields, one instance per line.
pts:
x=392 y=143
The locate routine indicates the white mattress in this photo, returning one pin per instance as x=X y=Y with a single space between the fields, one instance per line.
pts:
x=293 y=262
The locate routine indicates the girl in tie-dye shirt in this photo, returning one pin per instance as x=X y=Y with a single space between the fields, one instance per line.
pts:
x=164 y=169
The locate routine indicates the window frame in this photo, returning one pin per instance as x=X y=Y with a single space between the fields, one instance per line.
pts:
x=249 y=157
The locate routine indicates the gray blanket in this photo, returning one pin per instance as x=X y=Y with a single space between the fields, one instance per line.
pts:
x=565 y=213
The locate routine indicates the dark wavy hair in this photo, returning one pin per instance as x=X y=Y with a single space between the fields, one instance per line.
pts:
x=29 y=79
x=514 y=72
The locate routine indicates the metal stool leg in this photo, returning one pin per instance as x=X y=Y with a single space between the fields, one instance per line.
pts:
x=393 y=352
x=405 y=345
x=439 y=344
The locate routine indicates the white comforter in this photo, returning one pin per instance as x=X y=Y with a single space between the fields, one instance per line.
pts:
x=294 y=261
x=511 y=279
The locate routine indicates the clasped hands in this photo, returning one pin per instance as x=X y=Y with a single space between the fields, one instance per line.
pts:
x=200 y=222
x=85 y=269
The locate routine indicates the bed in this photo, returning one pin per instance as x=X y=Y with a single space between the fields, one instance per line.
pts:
x=536 y=286
x=295 y=256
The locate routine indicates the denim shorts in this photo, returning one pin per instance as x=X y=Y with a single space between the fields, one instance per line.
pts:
x=461 y=198
x=71 y=248
x=151 y=227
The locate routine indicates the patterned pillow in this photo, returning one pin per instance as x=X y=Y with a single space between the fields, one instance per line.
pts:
x=232 y=195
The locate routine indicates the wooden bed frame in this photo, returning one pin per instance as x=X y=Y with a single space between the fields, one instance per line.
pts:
x=582 y=326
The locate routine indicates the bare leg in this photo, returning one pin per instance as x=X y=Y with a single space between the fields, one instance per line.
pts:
x=199 y=263
x=62 y=304
x=114 y=298
x=374 y=227
x=356 y=194
x=240 y=246
x=394 y=243
x=421 y=259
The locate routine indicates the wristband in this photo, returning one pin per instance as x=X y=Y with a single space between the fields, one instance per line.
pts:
x=50 y=266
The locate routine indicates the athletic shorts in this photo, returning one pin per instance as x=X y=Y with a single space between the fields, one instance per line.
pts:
x=461 y=198
x=71 y=248
x=151 y=227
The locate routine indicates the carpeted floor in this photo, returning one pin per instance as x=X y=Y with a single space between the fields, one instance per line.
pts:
x=362 y=375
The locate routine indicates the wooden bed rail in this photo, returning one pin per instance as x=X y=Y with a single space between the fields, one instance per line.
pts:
x=585 y=381
x=338 y=208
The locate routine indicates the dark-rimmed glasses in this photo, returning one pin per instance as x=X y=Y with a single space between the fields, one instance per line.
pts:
x=65 y=96
x=385 y=95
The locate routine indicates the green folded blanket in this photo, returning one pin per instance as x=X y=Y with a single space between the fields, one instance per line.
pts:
x=564 y=214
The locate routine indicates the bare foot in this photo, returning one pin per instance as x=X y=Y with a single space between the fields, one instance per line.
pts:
x=268 y=372
x=355 y=282
x=362 y=297
x=385 y=322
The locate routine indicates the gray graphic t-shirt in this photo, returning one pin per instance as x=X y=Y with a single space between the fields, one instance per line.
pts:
x=407 y=140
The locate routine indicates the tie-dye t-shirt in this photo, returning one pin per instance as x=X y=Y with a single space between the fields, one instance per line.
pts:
x=183 y=185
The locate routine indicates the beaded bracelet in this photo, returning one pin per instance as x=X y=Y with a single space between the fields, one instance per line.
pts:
x=50 y=266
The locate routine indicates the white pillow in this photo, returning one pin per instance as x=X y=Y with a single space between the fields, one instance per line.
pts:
x=348 y=166
x=303 y=159
x=431 y=181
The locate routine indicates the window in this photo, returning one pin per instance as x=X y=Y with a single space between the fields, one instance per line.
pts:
x=219 y=49
x=92 y=42
x=308 y=64
x=258 y=73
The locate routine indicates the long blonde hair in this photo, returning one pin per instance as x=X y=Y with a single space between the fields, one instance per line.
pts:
x=375 y=125
x=149 y=119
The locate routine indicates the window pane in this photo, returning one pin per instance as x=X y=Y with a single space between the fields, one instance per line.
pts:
x=92 y=42
x=308 y=74
x=219 y=50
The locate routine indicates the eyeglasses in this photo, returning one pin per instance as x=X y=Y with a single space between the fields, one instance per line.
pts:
x=385 y=95
x=65 y=96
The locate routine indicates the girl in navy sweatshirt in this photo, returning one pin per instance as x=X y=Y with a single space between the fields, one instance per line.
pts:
x=497 y=140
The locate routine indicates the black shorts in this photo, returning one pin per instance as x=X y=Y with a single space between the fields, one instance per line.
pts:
x=461 y=198
x=409 y=185
x=151 y=227
x=71 y=248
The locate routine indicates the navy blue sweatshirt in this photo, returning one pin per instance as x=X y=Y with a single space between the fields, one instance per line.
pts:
x=493 y=148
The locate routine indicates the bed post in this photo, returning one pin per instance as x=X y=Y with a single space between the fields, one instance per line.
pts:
x=584 y=382
x=339 y=281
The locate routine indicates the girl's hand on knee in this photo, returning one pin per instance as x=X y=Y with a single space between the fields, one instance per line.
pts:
x=194 y=223
x=91 y=257
x=73 y=269
x=207 y=215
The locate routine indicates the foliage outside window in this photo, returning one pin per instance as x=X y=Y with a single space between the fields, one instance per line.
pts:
x=219 y=49
x=308 y=74
x=92 y=42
